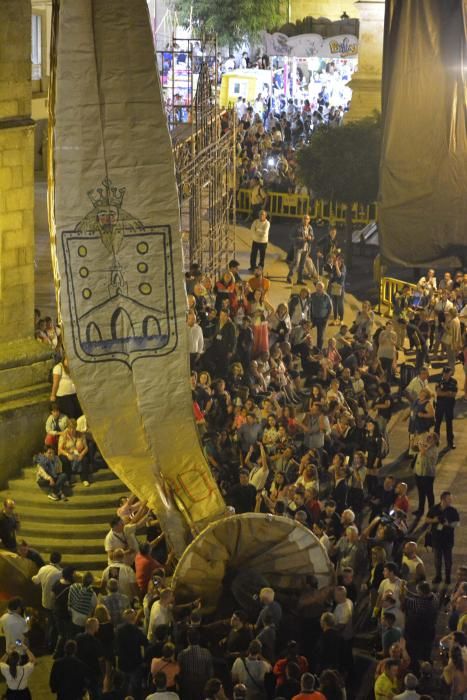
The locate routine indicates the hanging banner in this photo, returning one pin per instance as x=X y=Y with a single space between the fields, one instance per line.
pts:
x=117 y=257
x=310 y=45
x=422 y=202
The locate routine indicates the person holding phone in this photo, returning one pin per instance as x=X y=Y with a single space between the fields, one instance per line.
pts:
x=16 y=666
x=13 y=623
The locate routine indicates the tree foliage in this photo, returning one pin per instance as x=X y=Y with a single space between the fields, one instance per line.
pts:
x=342 y=163
x=232 y=20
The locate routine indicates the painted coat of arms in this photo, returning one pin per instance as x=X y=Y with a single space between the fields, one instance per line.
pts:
x=120 y=283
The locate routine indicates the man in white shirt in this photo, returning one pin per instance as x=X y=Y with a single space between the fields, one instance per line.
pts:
x=115 y=538
x=123 y=573
x=443 y=304
x=258 y=106
x=343 y=615
x=46 y=577
x=390 y=582
x=161 y=612
x=421 y=381
x=13 y=624
x=412 y=390
x=260 y=237
x=241 y=107
x=427 y=284
x=195 y=339
x=343 y=612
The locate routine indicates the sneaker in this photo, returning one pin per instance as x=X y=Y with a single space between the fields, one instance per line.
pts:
x=53 y=497
x=86 y=483
x=451 y=446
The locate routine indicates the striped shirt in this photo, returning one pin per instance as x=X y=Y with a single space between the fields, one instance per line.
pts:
x=196 y=668
x=81 y=603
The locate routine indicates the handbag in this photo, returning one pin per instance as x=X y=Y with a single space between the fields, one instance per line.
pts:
x=336 y=289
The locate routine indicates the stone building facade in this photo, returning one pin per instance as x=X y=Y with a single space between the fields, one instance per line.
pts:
x=24 y=365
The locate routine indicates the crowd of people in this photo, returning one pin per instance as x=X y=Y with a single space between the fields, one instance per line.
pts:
x=313 y=88
x=294 y=422
x=269 y=134
x=319 y=95
x=266 y=150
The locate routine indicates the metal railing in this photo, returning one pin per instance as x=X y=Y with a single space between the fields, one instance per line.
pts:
x=388 y=287
x=296 y=205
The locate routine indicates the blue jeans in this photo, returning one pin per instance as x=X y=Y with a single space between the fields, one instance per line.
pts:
x=298 y=262
x=320 y=324
x=69 y=469
x=338 y=306
x=57 y=488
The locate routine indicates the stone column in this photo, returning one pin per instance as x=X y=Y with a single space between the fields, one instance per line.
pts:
x=24 y=362
x=366 y=82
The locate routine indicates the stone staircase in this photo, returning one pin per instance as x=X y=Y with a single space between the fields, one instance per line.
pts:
x=77 y=527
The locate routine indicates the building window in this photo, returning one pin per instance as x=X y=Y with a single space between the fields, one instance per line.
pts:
x=36 y=56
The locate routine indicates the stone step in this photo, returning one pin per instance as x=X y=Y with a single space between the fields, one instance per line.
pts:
x=94 y=545
x=111 y=486
x=22 y=394
x=64 y=514
x=82 y=498
x=82 y=530
x=100 y=475
x=77 y=527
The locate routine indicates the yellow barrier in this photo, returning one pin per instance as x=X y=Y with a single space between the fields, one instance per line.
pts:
x=388 y=286
x=296 y=205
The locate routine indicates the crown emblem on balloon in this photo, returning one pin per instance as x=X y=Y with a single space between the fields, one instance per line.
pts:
x=107 y=196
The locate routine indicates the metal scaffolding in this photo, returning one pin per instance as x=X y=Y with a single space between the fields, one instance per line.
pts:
x=179 y=68
x=205 y=163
